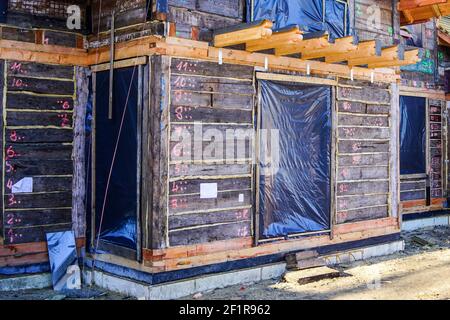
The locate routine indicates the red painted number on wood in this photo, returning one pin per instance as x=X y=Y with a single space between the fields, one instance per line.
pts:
x=9 y=167
x=10 y=153
x=65 y=121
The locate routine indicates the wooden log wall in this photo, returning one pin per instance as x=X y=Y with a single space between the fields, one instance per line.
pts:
x=196 y=19
x=363 y=151
x=42 y=36
x=413 y=189
x=128 y=13
x=221 y=98
x=38 y=102
x=43 y=13
x=424 y=74
x=377 y=20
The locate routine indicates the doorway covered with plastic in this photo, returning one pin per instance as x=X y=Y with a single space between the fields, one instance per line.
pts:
x=294 y=164
x=115 y=220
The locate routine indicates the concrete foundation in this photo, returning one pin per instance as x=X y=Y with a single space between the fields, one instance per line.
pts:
x=38 y=281
x=179 y=289
x=412 y=225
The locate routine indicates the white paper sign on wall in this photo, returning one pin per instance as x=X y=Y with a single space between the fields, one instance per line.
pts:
x=208 y=190
x=23 y=186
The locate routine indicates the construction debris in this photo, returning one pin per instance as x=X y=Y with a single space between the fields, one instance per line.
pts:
x=311 y=275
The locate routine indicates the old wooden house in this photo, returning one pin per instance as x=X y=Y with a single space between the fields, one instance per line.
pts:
x=186 y=138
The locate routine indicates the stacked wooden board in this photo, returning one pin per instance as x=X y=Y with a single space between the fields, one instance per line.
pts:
x=38 y=101
x=221 y=97
x=363 y=151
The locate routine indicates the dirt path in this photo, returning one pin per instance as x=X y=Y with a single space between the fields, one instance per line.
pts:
x=420 y=272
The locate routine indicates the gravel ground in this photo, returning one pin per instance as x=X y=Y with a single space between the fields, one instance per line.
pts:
x=87 y=293
x=421 y=272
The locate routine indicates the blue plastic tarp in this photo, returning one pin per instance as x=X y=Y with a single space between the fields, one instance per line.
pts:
x=295 y=192
x=309 y=15
x=412 y=135
x=3 y=11
x=120 y=214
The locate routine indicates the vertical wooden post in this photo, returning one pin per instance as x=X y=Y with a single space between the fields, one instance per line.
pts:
x=394 y=160
x=334 y=154
x=138 y=165
x=146 y=167
x=3 y=72
x=111 y=66
x=159 y=114
x=79 y=176
x=395 y=22
x=256 y=212
x=93 y=156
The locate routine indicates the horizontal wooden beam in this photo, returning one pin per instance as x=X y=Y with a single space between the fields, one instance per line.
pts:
x=178 y=258
x=421 y=92
x=27 y=253
x=366 y=49
x=52 y=54
x=303 y=46
x=411 y=57
x=341 y=46
x=290 y=35
x=413 y=4
x=120 y=64
x=423 y=13
x=275 y=62
x=124 y=50
x=243 y=34
x=291 y=78
x=183 y=48
x=387 y=54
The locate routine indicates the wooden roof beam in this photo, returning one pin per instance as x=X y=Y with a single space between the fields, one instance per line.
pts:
x=437 y=12
x=278 y=38
x=311 y=41
x=367 y=49
x=408 y=16
x=387 y=54
x=413 y=4
x=411 y=57
x=340 y=46
x=243 y=33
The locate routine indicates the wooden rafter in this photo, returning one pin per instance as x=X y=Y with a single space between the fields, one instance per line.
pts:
x=413 y=4
x=388 y=54
x=315 y=45
x=443 y=39
x=243 y=33
x=417 y=11
x=410 y=57
x=367 y=49
x=309 y=43
x=341 y=46
x=287 y=35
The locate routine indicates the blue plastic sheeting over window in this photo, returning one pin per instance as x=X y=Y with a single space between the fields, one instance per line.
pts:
x=120 y=214
x=412 y=135
x=295 y=193
x=310 y=15
x=3 y=11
